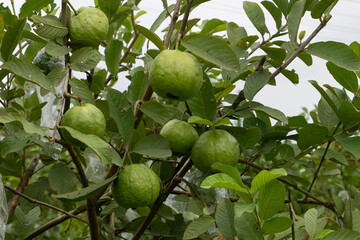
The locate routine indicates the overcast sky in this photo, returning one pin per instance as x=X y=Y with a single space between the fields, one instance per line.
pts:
x=287 y=97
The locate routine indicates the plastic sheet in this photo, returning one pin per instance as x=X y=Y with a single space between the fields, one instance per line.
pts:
x=3 y=210
x=95 y=170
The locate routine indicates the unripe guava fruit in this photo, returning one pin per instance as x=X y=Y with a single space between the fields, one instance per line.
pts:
x=136 y=186
x=215 y=146
x=87 y=119
x=180 y=135
x=175 y=75
x=89 y=27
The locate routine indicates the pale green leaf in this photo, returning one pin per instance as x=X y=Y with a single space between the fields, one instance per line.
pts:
x=223 y=181
x=11 y=38
x=198 y=226
x=49 y=27
x=264 y=177
x=153 y=146
x=28 y=127
x=199 y=120
x=55 y=49
x=310 y=218
x=155 y=111
x=271 y=199
x=224 y=217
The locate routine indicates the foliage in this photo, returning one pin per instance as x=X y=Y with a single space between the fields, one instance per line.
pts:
x=297 y=177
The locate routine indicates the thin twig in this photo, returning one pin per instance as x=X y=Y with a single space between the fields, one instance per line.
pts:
x=72 y=7
x=44 y=204
x=172 y=23
x=292 y=215
x=181 y=32
x=27 y=42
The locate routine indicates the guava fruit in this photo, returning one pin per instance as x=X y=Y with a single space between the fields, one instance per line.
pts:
x=175 y=75
x=47 y=63
x=180 y=135
x=87 y=119
x=136 y=186
x=89 y=27
x=215 y=146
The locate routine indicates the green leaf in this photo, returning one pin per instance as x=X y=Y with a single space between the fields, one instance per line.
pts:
x=224 y=217
x=138 y=86
x=235 y=33
x=151 y=36
x=29 y=6
x=29 y=72
x=113 y=55
x=247 y=227
x=199 y=120
x=273 y=113
x=324 y=233
x=271 y=199
x=276 y=224
x=2 y=27
x=223 y=89
x=155 y=111
x=274 y=11
x=12 y=144
x=348 y=114
x=223 y=121
x=198 y=226
x=350 y=143
x=124 y=118
x=325 y=96
x=49 y=27
x=30 y=128
x=11 y=38
x=240 y=208
x=343 y=234
x=211 y=25
x=338 y=53
x=294 y=19
x=80 y=89
x=84 y=59
x=291 y=75
x=153 y=146
x=213 y=50
x=231 y=171
x=311 y=135
x=101 y=148
x=62 y=179
x=255 y=82
x=320 y=8
x=223 y=181
x=109 y=7
x=204 y=104
x=327 y=116
x=310 y=218
x=264 y=177
x=256 y=16
x=55 y=49
x=332 y=156
x=85 y=193
x=345 y=78
x=98 y=81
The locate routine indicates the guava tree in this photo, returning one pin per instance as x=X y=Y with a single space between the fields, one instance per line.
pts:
x=82 y=160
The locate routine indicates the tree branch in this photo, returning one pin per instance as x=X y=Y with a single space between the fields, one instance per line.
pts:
x=172 y=23
x=184 y=23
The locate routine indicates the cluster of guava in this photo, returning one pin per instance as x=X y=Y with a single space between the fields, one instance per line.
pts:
x=173 y=75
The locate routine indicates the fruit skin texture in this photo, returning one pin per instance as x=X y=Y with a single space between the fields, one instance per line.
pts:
x=136 y=186
x=215 y=146
x=87 y=119
x=89 y=27
x=180 y=135
x=175 y=75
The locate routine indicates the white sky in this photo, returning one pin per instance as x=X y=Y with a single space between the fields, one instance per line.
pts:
x=287 y=97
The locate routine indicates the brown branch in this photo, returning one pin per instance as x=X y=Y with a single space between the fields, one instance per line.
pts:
x=184 y=23
x=168 y=189
x=291 y=215
x=172 y=23
x=299 y=50
x=23 y=183
x=27 y=42
x=44 y=204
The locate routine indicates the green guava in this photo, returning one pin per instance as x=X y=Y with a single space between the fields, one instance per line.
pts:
x=136 y=186
x=175 y=75
x=87 y=119
x=180 y=135
x=89 y=27
x=47 y=63
x=215 y=146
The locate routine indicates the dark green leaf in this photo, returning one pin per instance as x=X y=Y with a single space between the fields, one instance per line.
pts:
x=80 y=89
x=327 y=116
x=211 y=25
x=348 y=114
x=291 y=75
x=338 y=53
x=12 y=144
x=98 y=81
x=294 y=19
x=256 y=16
x=325 y=96
x=345 y=78
x=138 y=86
x=350 y=144
x=274 y=11
x=224 y=217
x=255 y=82
x=247 y=227
x=49 y=27
x=204 y=104
x=235 y=33
x=28 y=127
x=29 y=6
x=87 y=192
x=271 y=199
x=29 y=72
x=320 y=8
x=153 y=146
x=84 y=59
x=155 y=111
x=62 y=179
x=332 y=155
x=343 y=234
x=151 y=36
x=12 y=38
x=109 y=7
x=306 y=58
x=276 y=224
x=311 y=135
x=273 y=113
x=198 y=226
x=113 y=55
